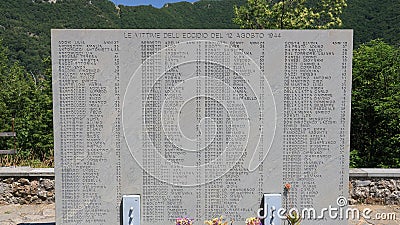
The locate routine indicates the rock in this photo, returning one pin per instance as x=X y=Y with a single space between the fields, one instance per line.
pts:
x=362 y=193
x=34 y=187
x=9 y=180
x=47 y=184
x=362 y=183
x=42 y=194
x=38 y=201
x=373 y=189
x=383 y=184
x=17 y=194
x=24 y=181
x=383 y=193
x=14 y=200
x=4 y=188
x=15 y=187
x=393 y=196
x=35 y=183
x=352 y=201
x=27 y=190
x=8 y=195
x=391 y=185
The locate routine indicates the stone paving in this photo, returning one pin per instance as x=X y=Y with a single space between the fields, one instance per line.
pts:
x=380 y=215
x=44 y=214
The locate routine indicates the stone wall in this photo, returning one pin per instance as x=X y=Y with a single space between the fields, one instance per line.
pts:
x=377 y=191
x=36 y=186
x=30 y=190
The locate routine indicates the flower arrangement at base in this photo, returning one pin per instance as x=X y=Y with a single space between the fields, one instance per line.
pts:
x=253 y=221
x=293 y=218
x=184 y=221
x=216 y=221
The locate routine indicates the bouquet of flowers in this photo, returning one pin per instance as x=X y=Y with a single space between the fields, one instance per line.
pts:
x=253 y=221
x=184 y=221
x=216 y=221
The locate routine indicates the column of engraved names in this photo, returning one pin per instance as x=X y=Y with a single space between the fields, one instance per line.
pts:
x=242 y=69
x=171 y=78
x=307 y=108
x=343 y=101
x=261 y=63
x=294 y=128
x=311 y=68
x=231 y=66
x=72 y=95
x=200 y=192
x=96 y=147
x=151 y=110
x=88 y=151
x=319 y=63
x=101 y=92
x=214 y=191
x=117 y=123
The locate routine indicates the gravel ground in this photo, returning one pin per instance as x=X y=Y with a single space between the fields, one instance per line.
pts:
x=44 y=214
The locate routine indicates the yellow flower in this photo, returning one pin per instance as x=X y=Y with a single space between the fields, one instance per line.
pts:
x=253 y=221
x=216 y=221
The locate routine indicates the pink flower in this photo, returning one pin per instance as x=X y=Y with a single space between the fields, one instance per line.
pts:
x=253 y=221
x=184 y=221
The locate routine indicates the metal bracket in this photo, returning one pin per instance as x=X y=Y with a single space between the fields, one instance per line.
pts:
x=272 y=203
x=131 y=210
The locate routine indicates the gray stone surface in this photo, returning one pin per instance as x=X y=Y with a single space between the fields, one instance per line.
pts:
x=375 y=172
x=26 y=172
x=200 y=123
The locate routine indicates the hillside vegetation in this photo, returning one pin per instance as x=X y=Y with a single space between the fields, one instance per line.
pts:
x=25 y=24
x=373 y=19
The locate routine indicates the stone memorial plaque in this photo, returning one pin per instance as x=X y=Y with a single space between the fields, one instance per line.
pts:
x=200 y=123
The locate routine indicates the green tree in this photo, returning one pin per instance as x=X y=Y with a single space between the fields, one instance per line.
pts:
x=290 y=14
x=27 y=98
x=375 y=127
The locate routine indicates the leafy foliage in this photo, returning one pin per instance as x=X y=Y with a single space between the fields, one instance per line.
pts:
x=375 y=129
x=27 y=98
x=290 y=14
x=25 y=24
x=202 y=14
